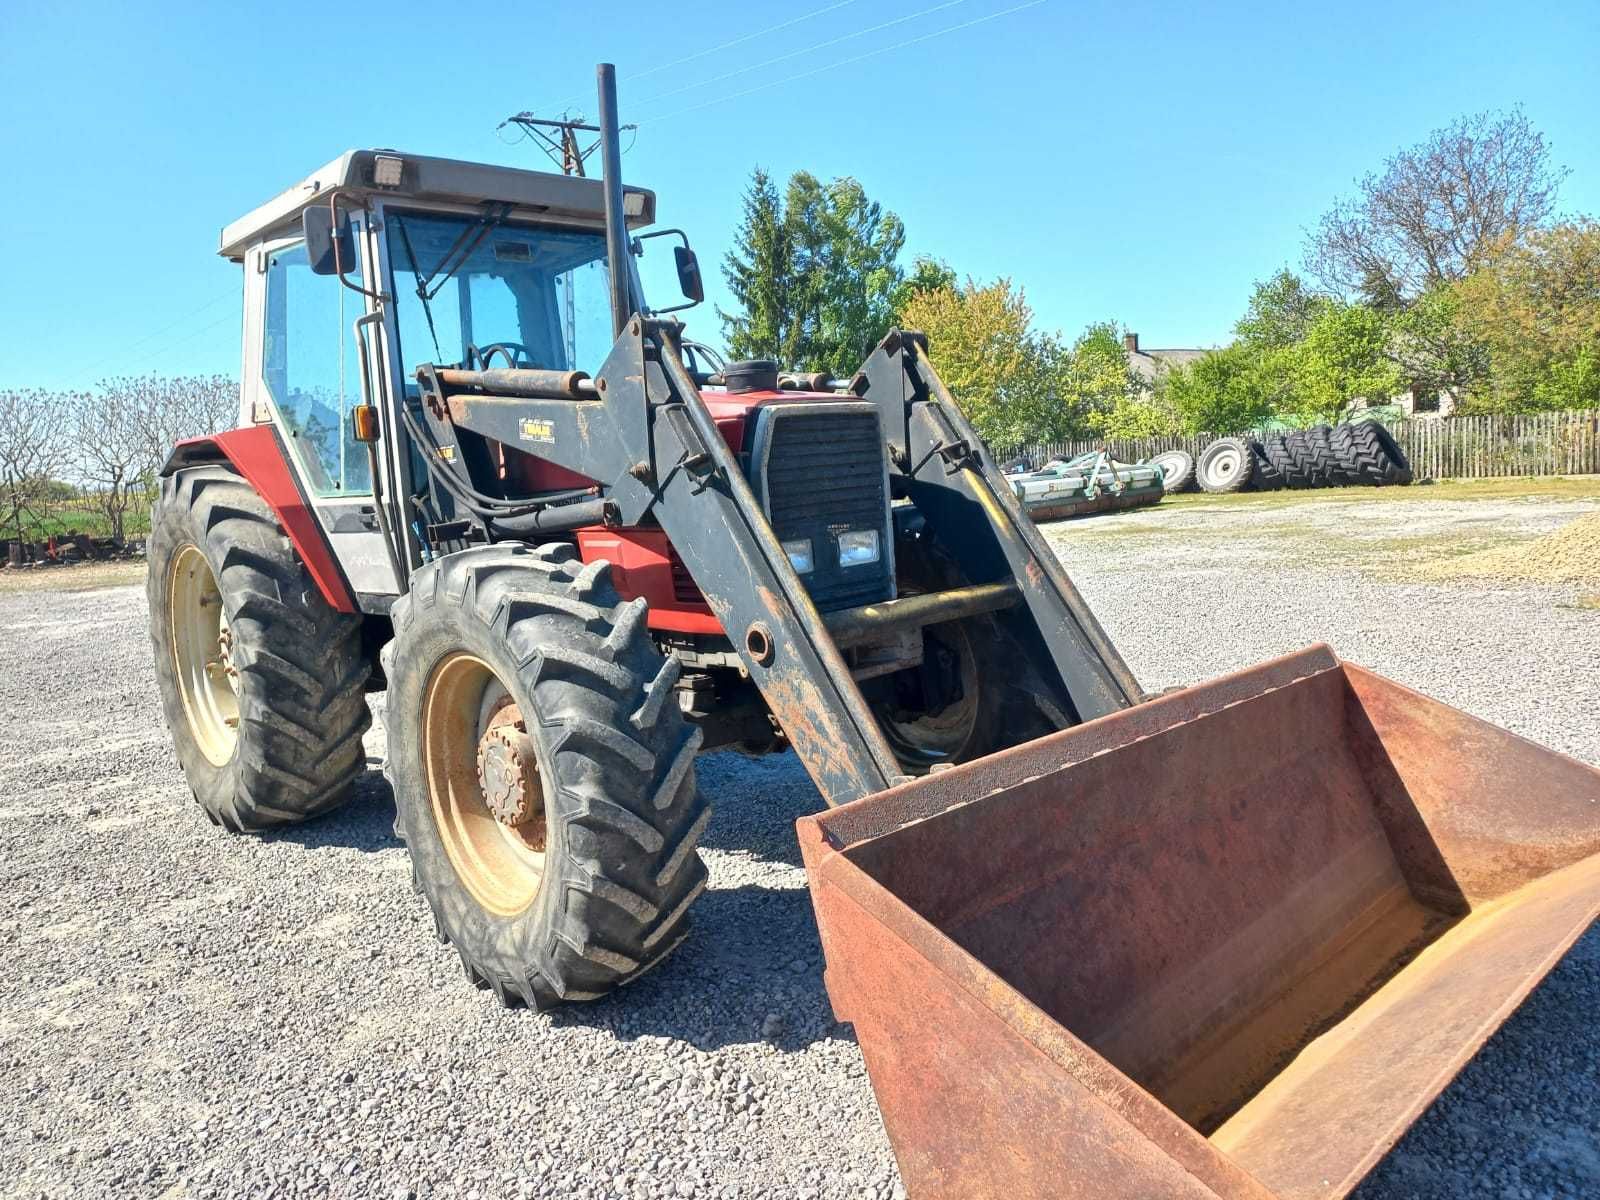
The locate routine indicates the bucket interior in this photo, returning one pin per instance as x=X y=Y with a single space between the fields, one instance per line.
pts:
x=1237 y=909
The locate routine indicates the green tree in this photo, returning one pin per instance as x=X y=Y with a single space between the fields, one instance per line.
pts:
x=814 y=272
x=846 y=264
x=760 y=274
x=1535 y=308
x=981 y=342
x=1093 y=385
x=1224 y=391
x=1281 y=312
x=927 y=275
x=1434 y=350
x=1344 y=356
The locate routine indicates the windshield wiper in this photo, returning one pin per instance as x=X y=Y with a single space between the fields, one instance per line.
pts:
x=460 y=250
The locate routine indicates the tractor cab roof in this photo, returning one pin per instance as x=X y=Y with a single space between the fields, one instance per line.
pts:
x=393 y=174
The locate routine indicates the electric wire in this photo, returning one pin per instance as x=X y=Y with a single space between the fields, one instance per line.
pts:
x=698 y=54
x=787 y=79
x=231 y=294
x=834 y=41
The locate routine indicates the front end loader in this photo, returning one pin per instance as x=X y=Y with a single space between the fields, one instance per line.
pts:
x=1095 y=942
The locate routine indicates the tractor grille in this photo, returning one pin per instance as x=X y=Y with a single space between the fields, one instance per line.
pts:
x=819 y=470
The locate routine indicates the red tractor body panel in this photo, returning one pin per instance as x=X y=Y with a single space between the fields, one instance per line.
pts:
x=643 y=561
x=257 y=453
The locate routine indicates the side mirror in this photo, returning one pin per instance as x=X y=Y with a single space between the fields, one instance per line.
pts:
x=689 y=281
x=694 y=289
x=323 y=242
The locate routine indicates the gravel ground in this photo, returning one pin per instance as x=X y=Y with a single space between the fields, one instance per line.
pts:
x=189 y=1014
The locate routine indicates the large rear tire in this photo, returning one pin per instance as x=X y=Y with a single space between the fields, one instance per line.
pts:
x=1370 y=455
x=263 y=682
x=543 y=773
x=1226 y=465
x=1177 y=470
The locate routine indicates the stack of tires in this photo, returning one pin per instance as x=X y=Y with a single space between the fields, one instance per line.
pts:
x=1359 y=454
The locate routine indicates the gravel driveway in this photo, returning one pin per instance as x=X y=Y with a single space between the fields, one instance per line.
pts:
x=190 y=1014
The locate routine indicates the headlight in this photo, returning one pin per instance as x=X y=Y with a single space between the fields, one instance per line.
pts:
x=858 y=547
x=799 y=553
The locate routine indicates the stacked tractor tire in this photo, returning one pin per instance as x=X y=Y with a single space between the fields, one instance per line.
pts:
x=1359 y=454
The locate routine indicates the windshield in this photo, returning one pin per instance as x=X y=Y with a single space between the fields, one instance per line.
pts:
x=465 y=285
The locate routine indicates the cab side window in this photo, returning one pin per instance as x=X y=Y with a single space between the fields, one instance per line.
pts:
x=310 y=368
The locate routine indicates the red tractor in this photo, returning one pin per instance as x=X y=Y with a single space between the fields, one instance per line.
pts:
x=476 y=469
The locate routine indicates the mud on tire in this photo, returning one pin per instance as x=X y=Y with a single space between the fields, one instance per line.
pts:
x=301 y=673
x=615 y=768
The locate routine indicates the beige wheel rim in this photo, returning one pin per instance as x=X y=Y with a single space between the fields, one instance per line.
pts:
x=202 y=651
x=471 y=731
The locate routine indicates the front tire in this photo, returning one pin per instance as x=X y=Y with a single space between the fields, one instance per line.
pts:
x=997 y=705
x=582 y=881
x=262 y=680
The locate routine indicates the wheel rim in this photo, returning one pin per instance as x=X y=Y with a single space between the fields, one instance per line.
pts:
x=925 y=740
x=472 y=731
x=1225 y=465
x=202 y=651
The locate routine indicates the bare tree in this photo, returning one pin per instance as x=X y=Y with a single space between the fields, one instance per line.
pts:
x=34 y=451
x=1436 y=210
x=171 y=408
x=112 y=454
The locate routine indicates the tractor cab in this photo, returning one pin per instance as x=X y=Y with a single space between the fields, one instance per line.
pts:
x=380 y=262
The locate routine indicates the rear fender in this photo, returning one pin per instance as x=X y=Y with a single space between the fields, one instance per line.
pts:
x=258 y=454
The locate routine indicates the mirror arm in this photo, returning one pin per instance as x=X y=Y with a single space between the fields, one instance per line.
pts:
x=339 y=269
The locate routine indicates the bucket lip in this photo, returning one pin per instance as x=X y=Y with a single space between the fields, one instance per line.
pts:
x=920 y=799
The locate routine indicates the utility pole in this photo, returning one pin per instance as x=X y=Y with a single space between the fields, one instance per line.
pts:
x=559 y=138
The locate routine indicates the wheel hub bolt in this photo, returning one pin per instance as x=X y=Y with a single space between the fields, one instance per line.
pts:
x=508 y=775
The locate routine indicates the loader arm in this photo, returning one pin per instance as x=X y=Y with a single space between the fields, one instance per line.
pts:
x=648 y=438
x=642 y=430
x=940 y=463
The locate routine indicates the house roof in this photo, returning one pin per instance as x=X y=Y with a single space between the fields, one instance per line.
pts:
x=1147 y=364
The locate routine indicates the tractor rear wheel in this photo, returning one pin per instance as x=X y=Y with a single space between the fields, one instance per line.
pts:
x=543 y=773
x=263 y=682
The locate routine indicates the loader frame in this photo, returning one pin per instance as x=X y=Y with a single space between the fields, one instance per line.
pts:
x=641 y=428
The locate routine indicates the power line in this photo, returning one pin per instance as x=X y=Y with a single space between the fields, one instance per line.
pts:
x=738 y=41
x=688 y=58
x=787 y=79
x=846 y=37
x=145 y=362
x=231 y=293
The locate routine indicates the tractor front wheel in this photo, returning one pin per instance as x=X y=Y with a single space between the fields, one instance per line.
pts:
x=543 y=773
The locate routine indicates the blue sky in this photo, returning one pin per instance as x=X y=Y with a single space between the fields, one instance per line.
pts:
x=1137 y=162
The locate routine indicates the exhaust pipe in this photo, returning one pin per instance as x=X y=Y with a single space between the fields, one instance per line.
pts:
x=611 y=174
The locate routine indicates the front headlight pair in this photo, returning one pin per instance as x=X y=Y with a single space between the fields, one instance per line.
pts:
x=857 y=548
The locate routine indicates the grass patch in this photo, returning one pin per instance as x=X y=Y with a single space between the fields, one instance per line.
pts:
x=80 y=577
x=1544 y=487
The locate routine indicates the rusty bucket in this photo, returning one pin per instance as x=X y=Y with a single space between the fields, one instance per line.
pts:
x=1231 y=942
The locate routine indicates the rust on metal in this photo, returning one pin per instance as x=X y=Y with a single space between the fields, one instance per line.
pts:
x=1230 y=942
x=508 y=773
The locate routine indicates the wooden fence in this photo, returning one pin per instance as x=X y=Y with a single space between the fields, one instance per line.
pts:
x=1479 y=447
